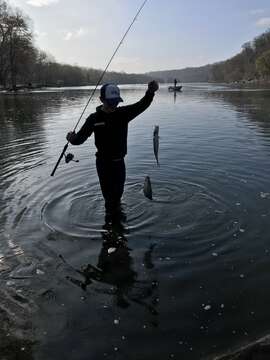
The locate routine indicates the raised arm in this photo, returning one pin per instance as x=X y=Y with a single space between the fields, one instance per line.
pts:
x=131 y=111
x=83 y=134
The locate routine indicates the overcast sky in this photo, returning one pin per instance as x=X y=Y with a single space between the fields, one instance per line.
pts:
x=169 y=34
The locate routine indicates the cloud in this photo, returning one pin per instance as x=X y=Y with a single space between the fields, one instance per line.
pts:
x=68 y=36
x=263 y=22
x=41 y=3
x=75 y=34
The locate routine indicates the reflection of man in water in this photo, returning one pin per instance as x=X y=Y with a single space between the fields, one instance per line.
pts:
x=110 y=126
x=115 y=263
x=115 y=267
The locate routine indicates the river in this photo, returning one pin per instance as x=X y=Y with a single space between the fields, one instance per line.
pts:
x=184 y=276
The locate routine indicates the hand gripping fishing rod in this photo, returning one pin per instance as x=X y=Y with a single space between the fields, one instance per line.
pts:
x=98 y=83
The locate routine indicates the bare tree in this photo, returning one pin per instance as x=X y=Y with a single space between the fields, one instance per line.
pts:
x=17 y=52
x=19 y=44
x=4 y=31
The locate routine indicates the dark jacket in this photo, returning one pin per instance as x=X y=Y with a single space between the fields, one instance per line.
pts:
x=111 y=129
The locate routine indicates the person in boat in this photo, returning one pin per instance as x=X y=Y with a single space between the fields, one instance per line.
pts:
x=175 y=82
x=110 y=126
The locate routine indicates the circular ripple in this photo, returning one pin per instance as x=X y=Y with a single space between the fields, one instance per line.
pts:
x=178 y=209
x=75 y=212
x=209 y=210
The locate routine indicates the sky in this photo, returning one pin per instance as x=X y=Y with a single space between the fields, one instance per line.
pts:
x=169 y=34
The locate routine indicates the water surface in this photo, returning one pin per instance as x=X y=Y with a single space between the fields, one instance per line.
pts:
x=183 y=276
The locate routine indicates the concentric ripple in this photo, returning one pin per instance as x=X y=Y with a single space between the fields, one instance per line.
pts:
x=75 y=212
x=178 y=211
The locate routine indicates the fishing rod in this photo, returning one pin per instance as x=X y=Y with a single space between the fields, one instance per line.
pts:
x=69 y=157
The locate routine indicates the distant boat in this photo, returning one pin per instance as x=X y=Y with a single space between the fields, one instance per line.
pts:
x=175 y=88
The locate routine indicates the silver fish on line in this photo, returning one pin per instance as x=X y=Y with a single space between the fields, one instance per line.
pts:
x=147 y=189
x=156 y=142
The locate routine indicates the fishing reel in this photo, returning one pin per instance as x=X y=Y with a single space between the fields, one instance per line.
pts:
x=70 y=157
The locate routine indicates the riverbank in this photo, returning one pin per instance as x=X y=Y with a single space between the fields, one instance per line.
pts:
x=252 y=82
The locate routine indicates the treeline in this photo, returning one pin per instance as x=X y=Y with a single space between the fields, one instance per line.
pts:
x=192 y=74
x=21 y=63
x=252 y=63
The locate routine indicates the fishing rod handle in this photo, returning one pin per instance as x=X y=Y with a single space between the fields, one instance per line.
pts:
x=60 y=158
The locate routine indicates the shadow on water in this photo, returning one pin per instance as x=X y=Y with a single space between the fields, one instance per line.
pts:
x=115 y=268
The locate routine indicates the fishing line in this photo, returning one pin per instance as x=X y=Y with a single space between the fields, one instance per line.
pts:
x=98 y=83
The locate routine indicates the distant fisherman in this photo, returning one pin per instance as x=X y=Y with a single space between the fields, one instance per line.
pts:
x=156 y=142
x=147 y=189
x=110 y=126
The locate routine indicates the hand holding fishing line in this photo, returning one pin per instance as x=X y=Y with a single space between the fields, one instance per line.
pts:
x=153 y=86
x=93 y=92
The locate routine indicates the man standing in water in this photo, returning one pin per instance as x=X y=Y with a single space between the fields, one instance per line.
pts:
x=110 y=126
